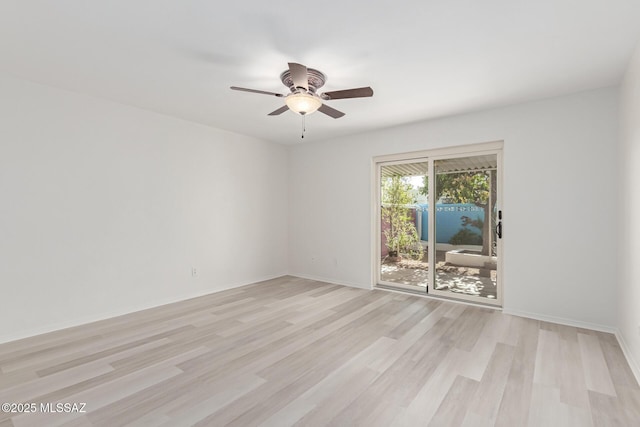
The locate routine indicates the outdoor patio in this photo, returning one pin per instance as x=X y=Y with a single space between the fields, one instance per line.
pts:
x=457 y=279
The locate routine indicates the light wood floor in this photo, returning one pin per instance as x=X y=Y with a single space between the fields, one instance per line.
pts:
x=297 y=352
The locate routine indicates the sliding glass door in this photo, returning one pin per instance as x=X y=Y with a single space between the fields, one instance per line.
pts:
x=440 y=224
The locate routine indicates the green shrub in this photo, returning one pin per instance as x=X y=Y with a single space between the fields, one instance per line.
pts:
x=466 y=237
x=402 y=236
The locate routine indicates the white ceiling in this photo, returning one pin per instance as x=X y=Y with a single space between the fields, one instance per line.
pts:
x=423 y=58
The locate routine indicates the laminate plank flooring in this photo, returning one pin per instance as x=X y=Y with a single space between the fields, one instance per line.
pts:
x=296 y=352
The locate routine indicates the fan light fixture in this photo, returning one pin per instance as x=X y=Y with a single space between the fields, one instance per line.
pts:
x=303 y=83
x=303 y=103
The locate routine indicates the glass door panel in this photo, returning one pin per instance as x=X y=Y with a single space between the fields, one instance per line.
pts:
x=403 y=225
x=466 y=210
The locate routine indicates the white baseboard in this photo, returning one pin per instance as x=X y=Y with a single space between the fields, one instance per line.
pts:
x=633 y=364
x=126 y=310
x=332 y=281
x=561 y=321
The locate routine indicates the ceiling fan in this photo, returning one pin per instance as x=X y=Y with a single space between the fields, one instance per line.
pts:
x=303 y=83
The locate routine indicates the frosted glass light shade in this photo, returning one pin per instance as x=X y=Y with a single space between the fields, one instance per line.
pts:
x=302 y=103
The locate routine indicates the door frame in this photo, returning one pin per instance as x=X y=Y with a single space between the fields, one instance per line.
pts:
x=494 y=147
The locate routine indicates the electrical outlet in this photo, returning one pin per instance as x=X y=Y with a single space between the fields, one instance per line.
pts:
x=194 y=272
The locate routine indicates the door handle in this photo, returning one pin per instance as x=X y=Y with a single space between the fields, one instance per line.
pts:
x=499 y=229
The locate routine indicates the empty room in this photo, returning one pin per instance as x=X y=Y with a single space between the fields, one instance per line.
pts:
x=356 y=213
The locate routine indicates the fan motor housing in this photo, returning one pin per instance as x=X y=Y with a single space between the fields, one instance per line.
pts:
x=315 y=78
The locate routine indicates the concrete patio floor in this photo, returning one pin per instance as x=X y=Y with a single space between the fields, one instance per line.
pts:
x=461 y=280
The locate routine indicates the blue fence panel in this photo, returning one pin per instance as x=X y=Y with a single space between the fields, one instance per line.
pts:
x=449 y=219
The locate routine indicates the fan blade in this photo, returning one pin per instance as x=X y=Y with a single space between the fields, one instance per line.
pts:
x=279 y=111
x=243 y=89
x=299 y=75
x=361 y=92
x=331 y=112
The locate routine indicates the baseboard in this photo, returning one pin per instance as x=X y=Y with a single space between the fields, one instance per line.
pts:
x=127 y=310
x=332 y=281
x=633 y=364
x=561 y=321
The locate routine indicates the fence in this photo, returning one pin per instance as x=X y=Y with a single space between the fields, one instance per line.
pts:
x=448 y=221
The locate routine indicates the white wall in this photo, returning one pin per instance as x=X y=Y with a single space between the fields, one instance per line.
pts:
x=560 y=185
x=629 y=284
x=104 y=209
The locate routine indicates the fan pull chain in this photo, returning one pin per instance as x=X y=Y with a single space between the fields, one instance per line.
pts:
x=304 y=127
